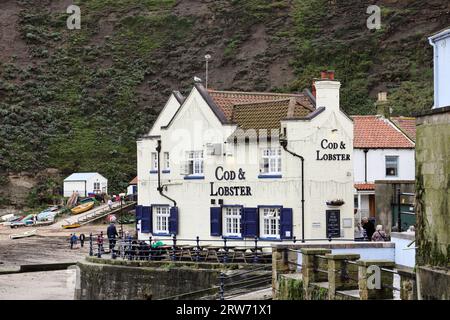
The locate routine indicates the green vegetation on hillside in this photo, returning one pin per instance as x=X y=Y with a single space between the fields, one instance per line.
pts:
x=82 y=97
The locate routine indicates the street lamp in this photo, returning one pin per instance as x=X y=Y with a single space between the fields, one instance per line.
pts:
x=207 y=58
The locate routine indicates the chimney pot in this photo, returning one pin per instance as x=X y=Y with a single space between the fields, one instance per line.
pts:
x=324 y=75
x=330 y=74
x=382 y=96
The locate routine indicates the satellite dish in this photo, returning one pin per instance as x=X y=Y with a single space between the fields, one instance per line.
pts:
x=208 y=56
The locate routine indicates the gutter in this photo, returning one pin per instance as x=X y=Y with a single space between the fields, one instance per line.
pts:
x=283 y=143
x=365 y=164
x=160 y=187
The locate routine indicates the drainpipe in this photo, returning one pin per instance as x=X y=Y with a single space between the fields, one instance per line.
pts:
x=365 y=164
x=160 y=187
x=283 y=143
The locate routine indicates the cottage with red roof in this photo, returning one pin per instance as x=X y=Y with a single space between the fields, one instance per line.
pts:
x=383 y=150
x=239 y=165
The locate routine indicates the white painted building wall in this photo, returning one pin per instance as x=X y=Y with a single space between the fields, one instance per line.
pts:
x=376 y=164
x=441 y=46
x=195 y=125
x=83 y=183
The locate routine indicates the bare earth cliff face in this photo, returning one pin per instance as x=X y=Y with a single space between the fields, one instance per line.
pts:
x=76 y=100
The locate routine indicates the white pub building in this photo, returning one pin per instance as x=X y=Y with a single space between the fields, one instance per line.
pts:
x=221 y=164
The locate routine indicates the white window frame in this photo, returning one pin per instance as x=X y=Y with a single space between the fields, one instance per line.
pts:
x=161 y=217
x=232 y=218
x=166 y=161
x=154 y=157
x=270 y=222
x=386 y=165
x=97 y=184
x=196 y=157
x=271 y=161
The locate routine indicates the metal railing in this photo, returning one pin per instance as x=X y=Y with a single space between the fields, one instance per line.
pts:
x=177 y=249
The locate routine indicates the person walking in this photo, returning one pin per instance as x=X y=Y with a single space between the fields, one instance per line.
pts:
x=369 y=227
x=111 y=232
x=73 y=240
x=379 y=234
x=82 y=238
x=110 y=203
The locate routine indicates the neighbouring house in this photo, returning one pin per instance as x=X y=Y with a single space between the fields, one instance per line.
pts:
x=132 y=186
x=383 y=152
x=227 y=164
x=85 y=183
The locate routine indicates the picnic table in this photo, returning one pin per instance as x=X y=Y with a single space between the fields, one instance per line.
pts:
x=222 y=252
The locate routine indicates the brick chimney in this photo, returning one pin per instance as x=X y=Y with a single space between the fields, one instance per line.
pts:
x=382 y=105
x=327 y=91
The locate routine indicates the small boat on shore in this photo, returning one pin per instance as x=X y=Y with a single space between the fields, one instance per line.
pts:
x=23 y=235
x=83 y=207
x=71 y=226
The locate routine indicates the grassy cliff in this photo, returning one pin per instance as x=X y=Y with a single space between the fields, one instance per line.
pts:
x=76 y=100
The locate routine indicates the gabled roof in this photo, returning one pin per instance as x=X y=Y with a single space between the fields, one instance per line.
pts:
x=224 y=104
x=377 y=132
x=226 y=100
x=81 y=176
x=134 y=181
x=407 y=125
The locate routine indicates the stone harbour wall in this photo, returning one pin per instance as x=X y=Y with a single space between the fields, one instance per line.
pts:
x=131 y=280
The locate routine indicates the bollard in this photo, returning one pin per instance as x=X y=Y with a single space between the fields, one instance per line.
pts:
x=174 y=247
x=295 y=239
x=91 y=251
x=197 y=255
x=222 y=286
x=255 y=257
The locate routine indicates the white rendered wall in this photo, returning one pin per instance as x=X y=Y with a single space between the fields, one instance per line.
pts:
x=376 y=164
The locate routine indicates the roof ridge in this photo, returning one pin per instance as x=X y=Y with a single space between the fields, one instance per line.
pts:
x=260 y=102
x=299 y=94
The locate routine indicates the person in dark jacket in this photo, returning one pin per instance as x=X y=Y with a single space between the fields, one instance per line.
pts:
x=111 y=232
x=369 y=227
x=82 y=237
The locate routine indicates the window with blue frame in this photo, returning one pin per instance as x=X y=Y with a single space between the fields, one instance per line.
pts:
x=232 y=221
x=161 y=216
x=166 y=162
x=270 y=222
x=271 y=161
x=154 y=166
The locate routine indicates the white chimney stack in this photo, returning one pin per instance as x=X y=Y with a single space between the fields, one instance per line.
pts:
x=327 y=91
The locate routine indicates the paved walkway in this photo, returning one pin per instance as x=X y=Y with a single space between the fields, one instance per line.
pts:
x=49 y=285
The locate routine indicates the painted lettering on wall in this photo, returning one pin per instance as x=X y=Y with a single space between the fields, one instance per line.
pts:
x=332 y=156
x=230 y=175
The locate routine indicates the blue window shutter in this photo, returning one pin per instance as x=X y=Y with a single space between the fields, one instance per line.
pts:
x=173 y=220
x=216 y=221
x=138 y=212
x=146 y=223
x=286 y=223
x=250 y=222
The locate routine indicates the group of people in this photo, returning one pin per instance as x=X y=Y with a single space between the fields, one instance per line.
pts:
x=74 y=240
x=372 y=233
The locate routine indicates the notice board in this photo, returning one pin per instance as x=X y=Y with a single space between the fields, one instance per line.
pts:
x=333 y=223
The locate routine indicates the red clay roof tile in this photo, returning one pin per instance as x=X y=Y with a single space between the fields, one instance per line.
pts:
x=377 y=132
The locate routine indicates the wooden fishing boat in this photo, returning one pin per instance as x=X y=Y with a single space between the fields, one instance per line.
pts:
x=82 y=208
x=71 y=226
x=23 y=235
